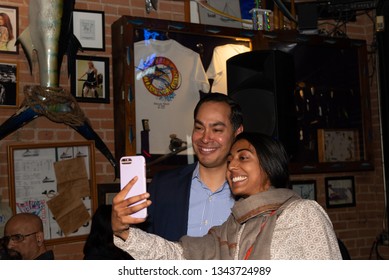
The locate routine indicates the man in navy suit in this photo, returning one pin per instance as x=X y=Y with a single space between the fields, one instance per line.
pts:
x=192 y=199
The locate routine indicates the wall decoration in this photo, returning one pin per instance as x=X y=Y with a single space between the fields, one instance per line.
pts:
x=106 y=192
x=90 y=82
x=340 y=191
x=306 y=188
x=336 y=145
x=89 y=28
x=8 y=29
x=55 y=181
x=8 y=84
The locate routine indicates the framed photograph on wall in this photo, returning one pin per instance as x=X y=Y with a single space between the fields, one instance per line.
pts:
x=305 y=188
x=90 y=79
x=8 y=29
x=88 y=27
x=340 y=191
x=106 y=192
x=8 y=84
x=55 y=181
x=336 y=145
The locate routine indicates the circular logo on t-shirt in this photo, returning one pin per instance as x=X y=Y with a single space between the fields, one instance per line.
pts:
x=162 y=77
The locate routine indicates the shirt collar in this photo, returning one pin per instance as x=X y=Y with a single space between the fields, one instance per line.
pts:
x=196 y=176
x=196 y=172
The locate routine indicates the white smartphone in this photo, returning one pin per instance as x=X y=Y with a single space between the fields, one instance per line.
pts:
x=131 y=166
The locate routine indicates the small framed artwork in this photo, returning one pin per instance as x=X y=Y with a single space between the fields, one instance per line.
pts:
x=88 y=27
x=106 y=193
x=8 y=84
x=340 y=191
x=8 y=29
x=306 y=189
x=90 y=79
x=338 y=145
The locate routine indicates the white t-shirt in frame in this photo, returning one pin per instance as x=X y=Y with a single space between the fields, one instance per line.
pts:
x=168 y=78
x=217 y=69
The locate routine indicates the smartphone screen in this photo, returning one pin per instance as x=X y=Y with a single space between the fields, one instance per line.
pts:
x=131 y=166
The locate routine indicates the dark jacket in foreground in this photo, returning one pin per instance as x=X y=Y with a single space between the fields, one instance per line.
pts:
x=169 y=193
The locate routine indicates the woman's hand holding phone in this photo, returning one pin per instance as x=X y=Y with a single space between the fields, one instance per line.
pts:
x=130 y=167
x=123 y=209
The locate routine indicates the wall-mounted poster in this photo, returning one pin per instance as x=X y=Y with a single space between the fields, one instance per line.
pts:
x=55 y=181
x=90 y=82
x=8 y=84
x=8 y=29
x=88 y=27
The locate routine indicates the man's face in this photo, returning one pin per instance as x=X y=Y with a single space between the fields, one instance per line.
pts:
x=28 y=247
x=212 y=134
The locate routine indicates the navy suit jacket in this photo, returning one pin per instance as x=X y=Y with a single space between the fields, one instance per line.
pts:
x=169 y=192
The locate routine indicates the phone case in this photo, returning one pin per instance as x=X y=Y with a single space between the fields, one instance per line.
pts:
x=131 y=166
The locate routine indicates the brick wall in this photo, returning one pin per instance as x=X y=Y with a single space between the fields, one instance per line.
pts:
x=357 y=226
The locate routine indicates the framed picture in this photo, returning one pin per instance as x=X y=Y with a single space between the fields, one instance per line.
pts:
x=8 y=29
x=88 y=27
x=8 y=84
x=338 y=145
x=306 y=189
x=106 y=192
x=340 y=191
x=90 y=79
x=55 y=181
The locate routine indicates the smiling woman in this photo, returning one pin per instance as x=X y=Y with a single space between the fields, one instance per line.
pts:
x=254 y=165
x=269 y=221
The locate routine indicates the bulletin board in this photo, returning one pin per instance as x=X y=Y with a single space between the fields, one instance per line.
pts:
x=55 y=181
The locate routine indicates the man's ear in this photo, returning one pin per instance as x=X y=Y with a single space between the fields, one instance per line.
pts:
x=39 y=238
x=239 y=130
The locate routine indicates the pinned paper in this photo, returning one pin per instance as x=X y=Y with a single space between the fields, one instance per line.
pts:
x=72 y=185
x=72 y=176
x=70 y=213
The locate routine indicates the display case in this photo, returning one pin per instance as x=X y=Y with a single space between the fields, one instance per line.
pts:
x=126 y=32
x=332 y=102
x=331 y=90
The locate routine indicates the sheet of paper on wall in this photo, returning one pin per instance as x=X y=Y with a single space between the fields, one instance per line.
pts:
x=229 y=7
x=70 y=213
x=72 y=177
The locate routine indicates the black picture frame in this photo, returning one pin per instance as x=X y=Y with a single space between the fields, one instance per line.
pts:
x=12 y=14
x=9 y=85
x=106 y=192
x=89 y=28
x=305 y=188
x=99 y=90
x=340 y=191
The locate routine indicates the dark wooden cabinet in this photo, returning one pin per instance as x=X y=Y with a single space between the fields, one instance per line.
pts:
x=125 y=32
x=332 y=102
x=331 y=93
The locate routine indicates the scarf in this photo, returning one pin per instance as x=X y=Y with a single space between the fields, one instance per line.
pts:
x=248 y=231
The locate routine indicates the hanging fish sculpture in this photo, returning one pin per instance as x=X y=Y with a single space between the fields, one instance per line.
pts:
x=50 y=37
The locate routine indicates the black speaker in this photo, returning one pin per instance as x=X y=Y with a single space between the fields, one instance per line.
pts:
x=307 y=16
x=262 y=83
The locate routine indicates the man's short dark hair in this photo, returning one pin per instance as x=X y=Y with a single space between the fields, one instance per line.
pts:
x=236 y=117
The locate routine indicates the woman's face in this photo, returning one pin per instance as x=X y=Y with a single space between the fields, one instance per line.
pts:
x=244 y=172
x=1 y=20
